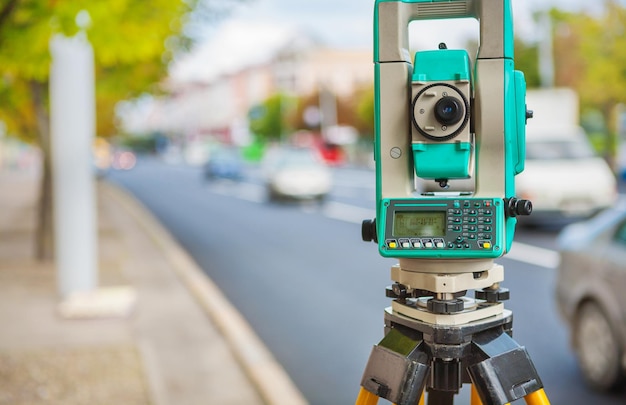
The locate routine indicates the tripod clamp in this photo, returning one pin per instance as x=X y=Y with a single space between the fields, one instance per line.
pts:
x=414 y=356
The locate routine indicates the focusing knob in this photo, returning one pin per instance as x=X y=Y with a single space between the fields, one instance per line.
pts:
x=368 y=230
x=517 y=207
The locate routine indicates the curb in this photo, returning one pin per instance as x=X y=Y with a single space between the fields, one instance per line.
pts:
x=265 y=373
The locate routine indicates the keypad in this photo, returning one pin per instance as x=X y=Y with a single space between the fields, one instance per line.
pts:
x=469 y=225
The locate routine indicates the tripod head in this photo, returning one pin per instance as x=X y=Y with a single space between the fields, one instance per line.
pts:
x=438 y=120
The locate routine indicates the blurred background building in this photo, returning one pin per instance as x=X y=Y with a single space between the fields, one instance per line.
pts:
x=212 y=92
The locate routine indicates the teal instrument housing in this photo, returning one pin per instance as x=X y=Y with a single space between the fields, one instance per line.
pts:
x=442 y=65
x=491 y=156
x=442 y=160
x=450 y=228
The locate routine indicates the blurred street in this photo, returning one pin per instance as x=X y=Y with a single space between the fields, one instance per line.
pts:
x=167 y=350
x=314 y=292
x=185 y=185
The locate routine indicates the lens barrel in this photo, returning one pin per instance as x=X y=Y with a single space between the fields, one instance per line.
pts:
x=449 y=110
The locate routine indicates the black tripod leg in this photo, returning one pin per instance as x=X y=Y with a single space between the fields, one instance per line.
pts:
x=440 y=397
x=507 y=373
x=397 y=369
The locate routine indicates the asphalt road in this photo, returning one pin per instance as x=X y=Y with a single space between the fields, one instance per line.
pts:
x=314 y=292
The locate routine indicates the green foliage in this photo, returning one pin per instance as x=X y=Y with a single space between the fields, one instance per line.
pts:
x=139 y=144
x=254 y=151
x=268 y=121
x=527 y=61
x=590 y=56
x=365 y=112
x=132 y=43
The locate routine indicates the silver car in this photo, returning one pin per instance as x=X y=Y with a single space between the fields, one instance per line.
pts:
x=591 y=295
x=297 y=173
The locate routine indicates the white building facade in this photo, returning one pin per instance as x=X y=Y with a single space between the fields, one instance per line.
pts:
x=212 y=91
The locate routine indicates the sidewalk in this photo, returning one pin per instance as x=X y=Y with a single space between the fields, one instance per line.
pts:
x=182 y=344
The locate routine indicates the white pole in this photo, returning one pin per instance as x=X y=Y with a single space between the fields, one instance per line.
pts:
x=328 y=107
x=72 y=126
x=546 y=51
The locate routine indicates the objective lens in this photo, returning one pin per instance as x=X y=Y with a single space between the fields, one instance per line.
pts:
x=449 y=110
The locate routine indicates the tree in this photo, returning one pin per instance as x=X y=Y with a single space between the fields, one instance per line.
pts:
x=590 y=57
x=132 y=43
x=269 y=121
x=527 y=61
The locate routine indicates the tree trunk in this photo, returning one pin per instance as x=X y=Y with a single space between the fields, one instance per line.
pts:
x=44 y=239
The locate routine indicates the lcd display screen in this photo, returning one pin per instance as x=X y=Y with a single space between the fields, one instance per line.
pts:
x=419 y=223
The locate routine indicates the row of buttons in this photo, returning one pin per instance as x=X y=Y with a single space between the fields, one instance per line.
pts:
x=472 y=212
x=470 y=228
x=415 y=243
x=476 y=204
x=473 y=220
x=436 y=243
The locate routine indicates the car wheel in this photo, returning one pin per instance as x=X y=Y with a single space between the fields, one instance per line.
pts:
x=597 y=349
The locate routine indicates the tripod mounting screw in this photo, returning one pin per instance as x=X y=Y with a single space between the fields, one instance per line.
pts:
x=445 y=306
x=492 y=296
x=399 y=290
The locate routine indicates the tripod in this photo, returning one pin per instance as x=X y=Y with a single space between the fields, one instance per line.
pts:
x=465 y=123
x=461 y=341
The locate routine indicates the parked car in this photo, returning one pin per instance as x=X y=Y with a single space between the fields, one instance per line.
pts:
x=224 y=163
x=563 y=177
x=296 y=173
x=591 y=295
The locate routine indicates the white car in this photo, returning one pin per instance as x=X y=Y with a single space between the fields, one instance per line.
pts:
x=297 y=173
x=563 y=177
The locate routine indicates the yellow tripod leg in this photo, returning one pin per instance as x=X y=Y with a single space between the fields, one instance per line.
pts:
x=366 y=398
x=474 y=398
x=538 y=397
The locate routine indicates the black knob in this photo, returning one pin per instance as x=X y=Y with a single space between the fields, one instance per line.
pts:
x=445 y=306
x=368 y=230
x=517 y=207
x=524 y=207
x=529 y=114
x=492 y=295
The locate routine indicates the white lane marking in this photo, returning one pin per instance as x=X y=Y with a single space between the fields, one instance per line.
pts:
x=245 y=191
x=347 y=212
x=534 y=255
x=251 y=192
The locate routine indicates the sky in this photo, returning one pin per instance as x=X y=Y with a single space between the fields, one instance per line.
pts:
x=347 y=23
x=337 y=23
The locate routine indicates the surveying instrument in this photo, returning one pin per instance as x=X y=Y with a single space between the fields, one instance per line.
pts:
x=450 y=139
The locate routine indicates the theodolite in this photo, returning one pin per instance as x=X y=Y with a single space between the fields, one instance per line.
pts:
x=450 y=139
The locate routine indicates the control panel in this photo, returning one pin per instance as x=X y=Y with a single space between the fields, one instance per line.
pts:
x=452 y=228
